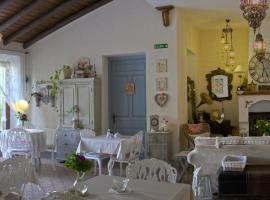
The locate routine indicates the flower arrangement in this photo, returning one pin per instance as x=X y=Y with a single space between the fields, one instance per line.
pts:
x=20 y=107
x=78 y=163
x=84 y=68
x=263 y=127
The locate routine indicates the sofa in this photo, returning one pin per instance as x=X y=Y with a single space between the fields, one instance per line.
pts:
x=209 y=152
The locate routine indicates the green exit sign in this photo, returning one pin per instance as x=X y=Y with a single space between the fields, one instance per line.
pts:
x=161 y=46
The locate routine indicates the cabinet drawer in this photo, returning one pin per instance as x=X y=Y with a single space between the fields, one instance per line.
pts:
x=158 y=139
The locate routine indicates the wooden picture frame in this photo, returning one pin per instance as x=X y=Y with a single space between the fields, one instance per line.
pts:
x=162 y=84
x=161 y=65
x=219 y=84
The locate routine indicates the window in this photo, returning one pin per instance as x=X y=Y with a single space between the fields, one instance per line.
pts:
x=12 y=87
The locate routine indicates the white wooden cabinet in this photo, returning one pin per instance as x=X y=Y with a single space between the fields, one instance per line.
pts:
x=157 y=145
x=84 y=93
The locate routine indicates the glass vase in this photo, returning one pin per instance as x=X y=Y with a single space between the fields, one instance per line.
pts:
x=79 y=187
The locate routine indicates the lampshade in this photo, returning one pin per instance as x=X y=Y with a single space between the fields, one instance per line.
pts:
x=259 y=45
x=21 y=105
x=239 y=69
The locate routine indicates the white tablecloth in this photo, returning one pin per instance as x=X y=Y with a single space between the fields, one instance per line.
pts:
x=38 y=138
x=100 y=144
x=98 y=188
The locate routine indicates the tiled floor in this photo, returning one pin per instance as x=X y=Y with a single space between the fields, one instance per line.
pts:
x=53 y=180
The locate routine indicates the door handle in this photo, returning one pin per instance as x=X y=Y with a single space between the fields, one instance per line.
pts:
x=114 y=118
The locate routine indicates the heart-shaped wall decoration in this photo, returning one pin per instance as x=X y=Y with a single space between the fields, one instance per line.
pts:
x=161 y=99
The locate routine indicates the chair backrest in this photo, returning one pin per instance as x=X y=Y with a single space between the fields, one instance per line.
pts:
x=136 y=146
x=50 y=136
x=152 y=169
x=14 y=173
x=19 y=139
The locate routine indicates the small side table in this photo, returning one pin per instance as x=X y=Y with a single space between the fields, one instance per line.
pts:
x=181 y=157
x=157 y=145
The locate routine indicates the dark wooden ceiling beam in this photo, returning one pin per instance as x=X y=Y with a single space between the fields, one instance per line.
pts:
x=36 y=22
x=4 y=4
x=13 y=19
x=64 y=22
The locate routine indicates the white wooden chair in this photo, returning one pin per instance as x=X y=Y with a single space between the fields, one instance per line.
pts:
x=136 y=148
x=153 y=170
x=15 y=173
x=97 y=157
x=19 y=143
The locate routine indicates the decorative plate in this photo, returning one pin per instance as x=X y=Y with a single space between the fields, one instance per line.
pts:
x=161 y=99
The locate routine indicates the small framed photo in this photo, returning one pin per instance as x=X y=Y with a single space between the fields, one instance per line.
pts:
x=161 y=65
x=162 y=84
x=130 y=88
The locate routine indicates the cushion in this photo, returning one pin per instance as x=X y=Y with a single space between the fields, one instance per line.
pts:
x=195 y=128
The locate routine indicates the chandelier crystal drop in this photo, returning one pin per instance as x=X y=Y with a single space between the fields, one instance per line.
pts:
x=254 y=11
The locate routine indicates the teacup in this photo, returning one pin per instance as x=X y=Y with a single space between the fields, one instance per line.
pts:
x=120 y=185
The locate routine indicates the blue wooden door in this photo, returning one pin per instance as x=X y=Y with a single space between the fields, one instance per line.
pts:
x=127 y=94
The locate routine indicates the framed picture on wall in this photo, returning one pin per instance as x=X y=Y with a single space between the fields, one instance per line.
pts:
x=161 y=65
x=162 y=84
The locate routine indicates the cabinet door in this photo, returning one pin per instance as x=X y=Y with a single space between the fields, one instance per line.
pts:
x=84 y=101
x=68 y=101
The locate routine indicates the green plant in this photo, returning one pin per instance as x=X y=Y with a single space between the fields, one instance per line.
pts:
x=54 y=78
x=263 y=127
x=73 y=109
x=78 y=163
x=66 y=67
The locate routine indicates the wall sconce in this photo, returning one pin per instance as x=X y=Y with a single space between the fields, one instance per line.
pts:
x=165 y=14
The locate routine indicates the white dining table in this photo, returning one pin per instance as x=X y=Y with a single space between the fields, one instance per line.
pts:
x=119 y=146
x=38 y=138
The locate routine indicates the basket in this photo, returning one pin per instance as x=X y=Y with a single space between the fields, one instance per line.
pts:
x=234 y=163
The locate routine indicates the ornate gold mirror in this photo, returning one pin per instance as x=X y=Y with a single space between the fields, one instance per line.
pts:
x=191 y=94
x=219 y=85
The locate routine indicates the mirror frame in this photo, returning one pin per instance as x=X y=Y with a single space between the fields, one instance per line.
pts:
x=191 y=94
x=209 y=84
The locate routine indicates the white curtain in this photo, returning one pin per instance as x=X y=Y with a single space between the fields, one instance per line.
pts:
x=12 y=88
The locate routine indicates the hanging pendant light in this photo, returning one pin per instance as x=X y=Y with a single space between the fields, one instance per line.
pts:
x=227 y=40
x=259 y=46
x=254 y=11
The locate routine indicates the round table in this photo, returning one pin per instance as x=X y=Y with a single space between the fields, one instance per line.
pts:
x=38 y=138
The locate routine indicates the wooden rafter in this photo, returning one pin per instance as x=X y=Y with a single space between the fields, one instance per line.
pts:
x=9 y=22
x=5 y=4
x=67 y=20
x=38 y=21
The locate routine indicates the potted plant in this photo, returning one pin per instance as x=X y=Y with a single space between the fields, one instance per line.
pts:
x=81 y=165
x=263 y=127
x=67 y=71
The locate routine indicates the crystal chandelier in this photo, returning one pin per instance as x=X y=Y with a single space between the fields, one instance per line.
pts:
x=227 y=41
x=254 y=11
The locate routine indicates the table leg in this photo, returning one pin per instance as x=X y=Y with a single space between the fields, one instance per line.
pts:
x=36 y=163
x=110 y=166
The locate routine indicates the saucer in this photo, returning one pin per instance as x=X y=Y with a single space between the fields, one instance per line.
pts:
x=127 y=191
